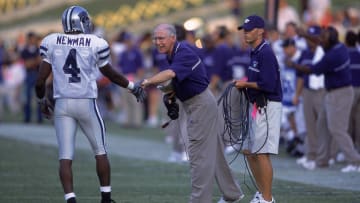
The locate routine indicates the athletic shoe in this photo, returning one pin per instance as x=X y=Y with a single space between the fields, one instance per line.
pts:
x=331 y=162
x=264 y=201
x=231 y=201
x=309 y=165
x=350 y=168
x=232 y=148
x=184 y=156
x=301 y=160
x=340 y=157
x=71 y=200
x=111 y=201
x=256 y=197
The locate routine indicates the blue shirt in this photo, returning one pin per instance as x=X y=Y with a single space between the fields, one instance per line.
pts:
x=354 y=55
x=239 y=62
x=264 y=70
x=191 y=78
x=131 y=61
x=335 y=67
x=223 y=54
x=209 y=61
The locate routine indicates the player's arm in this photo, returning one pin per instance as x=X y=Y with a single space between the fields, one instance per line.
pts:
x=122 y=81
x=301 y=68
x=114 y=76
x=44 y=72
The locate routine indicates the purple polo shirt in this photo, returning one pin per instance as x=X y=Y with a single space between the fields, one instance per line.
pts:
x=354 y=55
x=191 y=78
x=223 y=54
x=130 y=61
x=335 y=67
x=264 y=70
x=161 y=61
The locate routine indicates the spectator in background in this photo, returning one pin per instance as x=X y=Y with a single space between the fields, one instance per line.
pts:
x=291 y=31
x=287 y=13
x=318 y=12
x=208 y=54
x=2 y=87
x=290 y=101
x=30 y=56
x=354 y=53
x=222 y=73
x=131 y=65
x=13 y=75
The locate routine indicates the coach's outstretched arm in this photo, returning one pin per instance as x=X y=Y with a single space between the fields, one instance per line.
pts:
x=159 y=78
x=122 y=81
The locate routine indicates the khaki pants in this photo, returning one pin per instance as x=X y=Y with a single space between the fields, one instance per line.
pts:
x=336 y=116
x=313 y=105
x=206 y=151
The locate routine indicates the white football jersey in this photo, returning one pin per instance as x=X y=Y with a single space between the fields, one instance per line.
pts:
x=75 y=61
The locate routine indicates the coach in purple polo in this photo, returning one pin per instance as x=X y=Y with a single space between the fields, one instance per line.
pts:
x=190 y=84
x=265 y=93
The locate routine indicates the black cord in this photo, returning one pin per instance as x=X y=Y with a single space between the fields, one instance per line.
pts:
x=237 y=123
x=236 y=117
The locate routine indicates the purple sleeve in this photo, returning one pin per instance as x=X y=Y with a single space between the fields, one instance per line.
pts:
x=321 y=67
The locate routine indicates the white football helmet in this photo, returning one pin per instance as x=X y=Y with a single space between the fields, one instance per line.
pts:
x=76 y=19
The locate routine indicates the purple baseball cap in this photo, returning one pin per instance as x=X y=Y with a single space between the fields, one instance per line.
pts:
x=252 y=22
x=314 y=30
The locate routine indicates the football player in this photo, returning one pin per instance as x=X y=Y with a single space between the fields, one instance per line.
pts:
x=74 y=58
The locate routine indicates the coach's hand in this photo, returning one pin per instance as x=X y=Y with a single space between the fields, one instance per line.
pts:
x=171 y=106
x=138 y=92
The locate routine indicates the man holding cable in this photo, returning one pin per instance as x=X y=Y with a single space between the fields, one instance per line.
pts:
x=264 y=91
x=190 y=84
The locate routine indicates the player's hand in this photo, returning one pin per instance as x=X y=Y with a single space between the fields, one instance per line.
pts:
x=47 y=109
x=139 y=92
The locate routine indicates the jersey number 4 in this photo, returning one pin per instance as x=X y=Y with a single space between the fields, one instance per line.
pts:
x=70 y=67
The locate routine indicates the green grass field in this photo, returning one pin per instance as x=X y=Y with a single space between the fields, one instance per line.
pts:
x=28 y=174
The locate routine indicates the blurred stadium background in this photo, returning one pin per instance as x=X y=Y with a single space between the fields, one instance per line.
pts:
x=141 y=15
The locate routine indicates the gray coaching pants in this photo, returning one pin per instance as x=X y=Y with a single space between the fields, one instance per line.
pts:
x=206 y=150
x=313 y=105
x=336 y=115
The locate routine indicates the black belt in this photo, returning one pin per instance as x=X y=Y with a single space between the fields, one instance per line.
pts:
x=336 y=88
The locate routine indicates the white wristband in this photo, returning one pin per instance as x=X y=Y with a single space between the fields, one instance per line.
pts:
x=130 y=85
